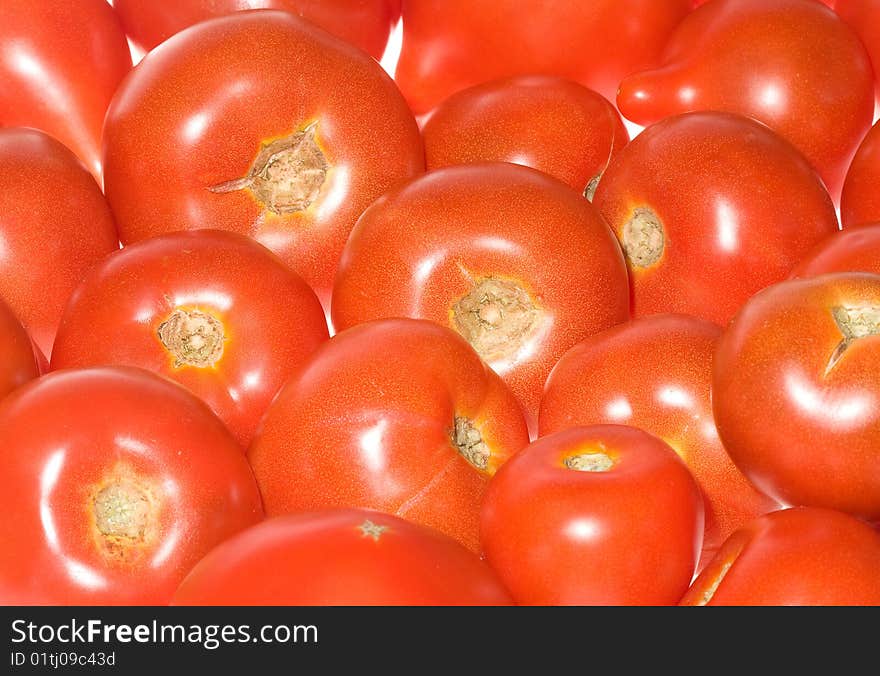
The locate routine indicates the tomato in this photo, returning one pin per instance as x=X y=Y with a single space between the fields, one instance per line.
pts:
x=711 y=207
x=794 y=392
x=603 y=515
x=60 y=64
x=213 y=310
x=449 y=45
x=792 y=64
x=803 y=556
x=398 y=415
x=863 y=16
x=655 y=373
x=860 y=202
x=262 y=124
x=344 y=557
x=547 y=123
x=856 y=249
x=19 y=361
x=516 y=262
x=365 y=23
x=117 y=482
x=54 y=225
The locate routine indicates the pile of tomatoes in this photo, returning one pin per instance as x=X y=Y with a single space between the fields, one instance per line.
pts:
x=280 y=328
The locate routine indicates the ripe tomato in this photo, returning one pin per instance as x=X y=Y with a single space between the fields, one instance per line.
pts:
x=118 y=482
x=655 y=373
x=449 y=45
x=398 y=415
x=516 y=262
x=18 y=363
x=603 y=515
x=259 y=123
x=792 y=64
x=795 y=387
x=711 y=207
x=54 y=225
x=365 y=23
x=795 y=557
x=548 y=123
x=860 y=202
x=213 y=310
x=344 y=557
x=856 y=249
x=60 y=64
x=863 y=16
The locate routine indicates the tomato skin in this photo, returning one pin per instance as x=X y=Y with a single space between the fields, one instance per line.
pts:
x=379 y=402
x=449 y=45
x=364 y=23
x=778 y=61
x=793 y=392
x=863 y=16
x=859 y=202
x=655 y=373
x=68 y=436
x=192 y=92
x=339 y=558
x=551 y=124
x=19 y=359
x=457 y=226
x=54 y=223
x=856 y=249
x=557 y=536
x=804 y=556
x=271 y=321
x=63 y=63
x=714 y=181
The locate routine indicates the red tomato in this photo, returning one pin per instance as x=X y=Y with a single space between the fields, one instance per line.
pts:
x=792 y=64
x=449 y=45
x=60 y=63
x=655 y=373
x=856 y=249
x=117 y=483
x=213 y=310
x=18 y=359
x=365 y=23
x=795 y=557
x=344 y=557
x=54 y=225
x=516 y=262
x=863 y=16
x=603 y=515
x=398 y=415
x=548 y=123
x=711 y=207
x=795 y=392
x=259 y=123
x=860 y=202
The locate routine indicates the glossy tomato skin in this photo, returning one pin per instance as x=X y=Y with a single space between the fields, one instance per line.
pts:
x=856 y=249
x=859 y=202
x=364 y=23
x=60 y=67
x=449 y=45
x=55 y=224
x=711 y=207
x=340 y=558
x=548 y=123
x=804 y=556
x=143 y=305
x=372 y=421
x=478 y=233
x=626 y=534
x=655 y=373
x=795 y=376
x=18 y=363
x=119 y=481
x=863 y=16
x=779 y=61
x=209 y=130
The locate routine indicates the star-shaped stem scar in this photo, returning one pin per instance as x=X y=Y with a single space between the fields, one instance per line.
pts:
x=372 y=530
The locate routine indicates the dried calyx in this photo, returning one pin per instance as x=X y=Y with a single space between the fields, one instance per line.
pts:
x=589 y=462
x=193 y=337
x=122 y=512
x=854 y=323
x=643 y=238
x=469 y=442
